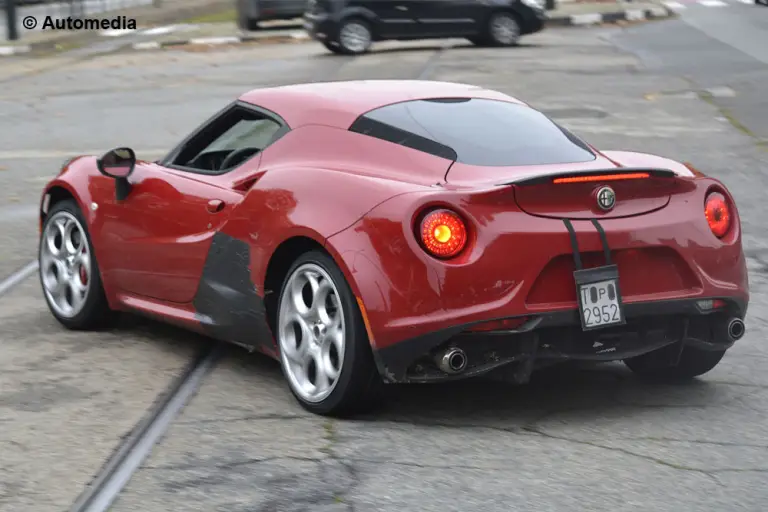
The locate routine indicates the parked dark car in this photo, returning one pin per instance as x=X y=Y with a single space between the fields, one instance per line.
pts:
x=351 y=26
x=251 y=12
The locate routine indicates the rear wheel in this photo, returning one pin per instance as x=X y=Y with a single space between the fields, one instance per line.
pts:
x=692 y=362
x=324 y=349
x=69 y=272
x=503 y=29
x=355 y=37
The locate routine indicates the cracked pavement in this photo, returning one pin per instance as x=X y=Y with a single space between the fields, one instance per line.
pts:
x=592 y=435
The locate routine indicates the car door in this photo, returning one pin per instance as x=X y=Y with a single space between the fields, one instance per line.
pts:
x=157 y=239
x=451 y=18
x=394 y=18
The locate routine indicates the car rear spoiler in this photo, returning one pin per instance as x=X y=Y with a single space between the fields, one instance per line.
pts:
x=601 y=175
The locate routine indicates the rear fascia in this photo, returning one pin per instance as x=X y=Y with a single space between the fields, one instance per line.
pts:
x=409 y=295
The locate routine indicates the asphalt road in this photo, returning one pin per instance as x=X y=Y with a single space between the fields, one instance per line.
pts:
x=595 y=439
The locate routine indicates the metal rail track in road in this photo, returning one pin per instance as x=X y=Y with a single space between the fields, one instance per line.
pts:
x=113 y=477
x=18 y=277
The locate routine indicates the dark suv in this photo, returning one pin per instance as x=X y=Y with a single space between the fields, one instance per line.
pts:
x=351 y=26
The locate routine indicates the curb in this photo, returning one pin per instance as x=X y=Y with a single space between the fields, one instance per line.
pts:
x=213 y=41
x=611 y=17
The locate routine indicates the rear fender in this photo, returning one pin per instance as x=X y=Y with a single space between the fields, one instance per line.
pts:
x=303 y=202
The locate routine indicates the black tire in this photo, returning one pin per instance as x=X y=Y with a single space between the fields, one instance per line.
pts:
x=359 y=384
x=359 y=24
x=333 y=48
x=95 y=312
x=512 y=24
x=692 y=363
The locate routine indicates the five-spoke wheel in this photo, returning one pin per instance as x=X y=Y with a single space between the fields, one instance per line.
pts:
x=68 y=269
x=324 y=349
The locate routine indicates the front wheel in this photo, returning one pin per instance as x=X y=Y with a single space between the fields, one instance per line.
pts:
x=503 y=29
x=69 y=272
x=692 y=362
x=324 y=349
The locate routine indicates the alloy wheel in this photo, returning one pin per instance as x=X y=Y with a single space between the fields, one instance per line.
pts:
x=504 y=29
x=355 y=37
x=311 y=333
x=65 y=264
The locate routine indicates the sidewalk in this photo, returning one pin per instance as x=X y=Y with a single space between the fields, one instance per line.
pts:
x=183 y=23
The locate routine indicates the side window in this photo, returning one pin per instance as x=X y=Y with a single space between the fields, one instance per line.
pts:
x=228 y=141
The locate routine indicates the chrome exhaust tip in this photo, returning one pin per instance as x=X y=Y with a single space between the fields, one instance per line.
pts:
x=452 y=360
x=736 y=329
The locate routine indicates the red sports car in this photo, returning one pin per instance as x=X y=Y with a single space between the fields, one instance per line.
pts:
x=367 y=232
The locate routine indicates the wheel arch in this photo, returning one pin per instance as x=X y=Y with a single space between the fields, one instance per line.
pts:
x=284 y=255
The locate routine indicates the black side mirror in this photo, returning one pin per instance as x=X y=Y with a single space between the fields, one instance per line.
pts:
x=118 y=164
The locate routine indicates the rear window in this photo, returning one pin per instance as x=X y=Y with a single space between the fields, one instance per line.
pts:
x=475 y=132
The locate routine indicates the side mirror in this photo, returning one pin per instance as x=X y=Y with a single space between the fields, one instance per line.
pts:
x=118 y=164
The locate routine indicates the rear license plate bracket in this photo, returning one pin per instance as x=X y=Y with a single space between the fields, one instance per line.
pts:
x=599 y=297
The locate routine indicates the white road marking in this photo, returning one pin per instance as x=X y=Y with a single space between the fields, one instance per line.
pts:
x=215 y=40
x=675 y=6
x=712 y=3
x=116 y=32
x=586 y=19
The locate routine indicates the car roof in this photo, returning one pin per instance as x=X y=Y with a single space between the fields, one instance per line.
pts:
x=339 y=103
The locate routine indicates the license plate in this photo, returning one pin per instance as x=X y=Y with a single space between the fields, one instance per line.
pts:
x=599 y=297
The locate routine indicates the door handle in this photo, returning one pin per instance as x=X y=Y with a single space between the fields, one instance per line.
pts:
x=401 y=8
x=215 y=205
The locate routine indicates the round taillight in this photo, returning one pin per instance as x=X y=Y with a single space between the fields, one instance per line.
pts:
x=718 y=214
x=443 y=233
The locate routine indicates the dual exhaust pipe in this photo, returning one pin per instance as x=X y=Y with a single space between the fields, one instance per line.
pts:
x=453 y=360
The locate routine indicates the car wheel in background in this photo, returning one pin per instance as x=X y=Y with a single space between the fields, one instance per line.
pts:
x=503 y=29
x=69 y=273
x=324 y=349
x=355 y=36
x=692 y=363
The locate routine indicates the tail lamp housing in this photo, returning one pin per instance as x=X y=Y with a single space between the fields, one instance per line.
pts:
x=718 y=213
x=443 y=233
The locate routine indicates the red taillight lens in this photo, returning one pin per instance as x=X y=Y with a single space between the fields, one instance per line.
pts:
x=718 y=214
x=443 y=233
